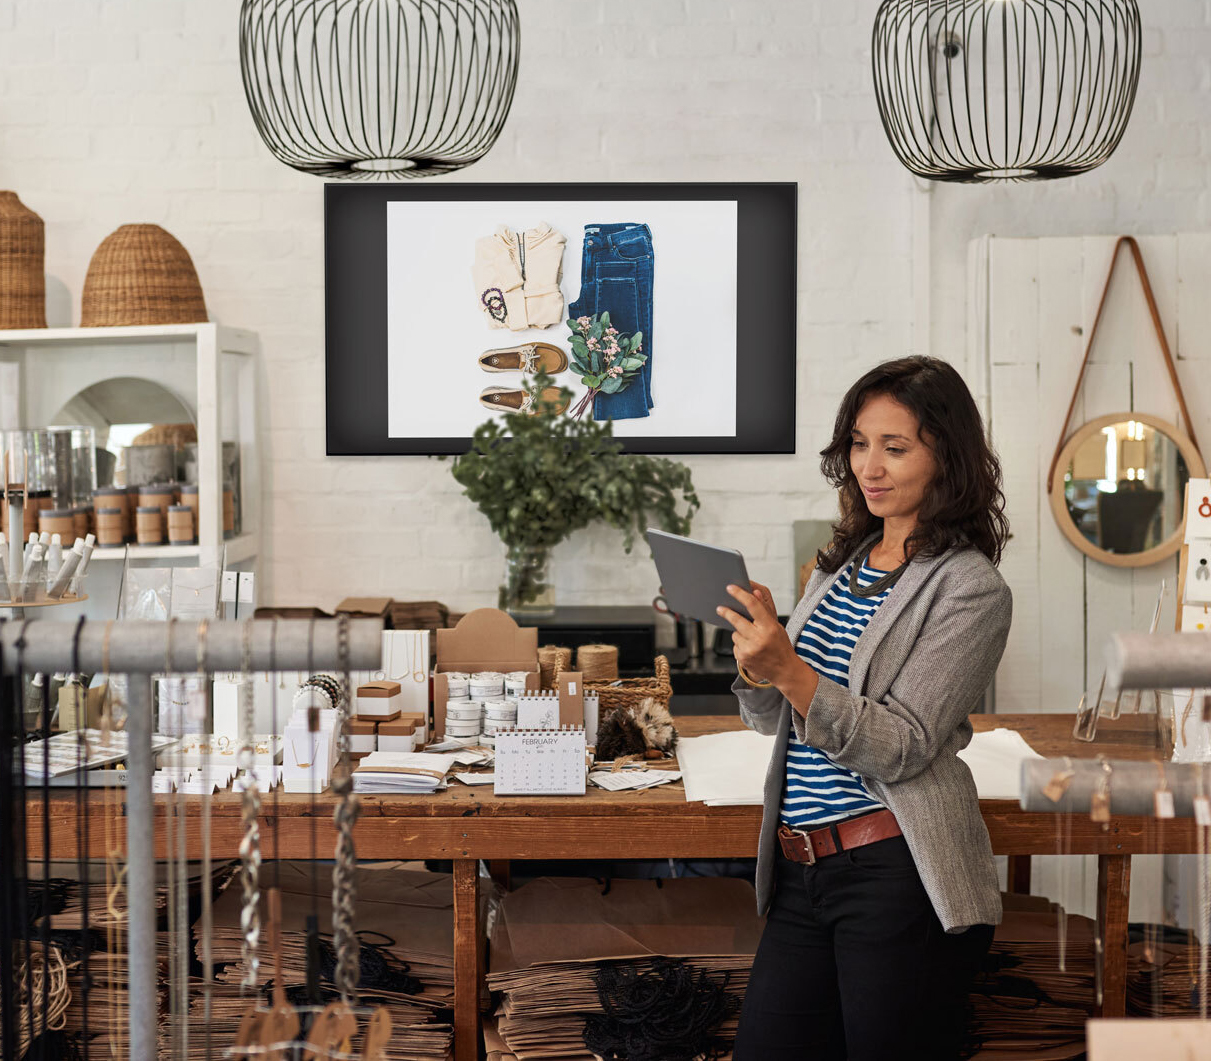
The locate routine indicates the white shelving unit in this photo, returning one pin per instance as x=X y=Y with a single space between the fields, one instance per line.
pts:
x=210 y=368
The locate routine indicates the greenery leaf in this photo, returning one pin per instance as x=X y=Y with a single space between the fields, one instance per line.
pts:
x=605 y=318
x=556 y=475
x=611 y=385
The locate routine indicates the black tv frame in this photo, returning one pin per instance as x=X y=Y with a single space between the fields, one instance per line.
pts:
x=355 y=299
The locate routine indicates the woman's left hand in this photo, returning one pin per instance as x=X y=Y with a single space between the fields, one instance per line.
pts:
x=761 y=645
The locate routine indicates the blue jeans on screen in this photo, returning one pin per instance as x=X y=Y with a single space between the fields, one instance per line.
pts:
x=616 y=277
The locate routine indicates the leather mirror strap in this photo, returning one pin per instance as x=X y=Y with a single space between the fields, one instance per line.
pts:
x=1158 y=327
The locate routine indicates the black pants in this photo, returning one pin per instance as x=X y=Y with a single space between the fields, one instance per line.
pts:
x=854 y=964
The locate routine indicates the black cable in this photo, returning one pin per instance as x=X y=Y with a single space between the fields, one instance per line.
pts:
x=19 y=819
x=313 y=919
x=82 y=839
x=8 y=1041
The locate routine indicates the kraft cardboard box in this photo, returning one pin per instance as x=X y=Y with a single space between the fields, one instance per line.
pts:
x=486 y=639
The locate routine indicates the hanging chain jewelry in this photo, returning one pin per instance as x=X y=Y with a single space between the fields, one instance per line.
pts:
x=250 y=809
x=880 y=584
x=344 y=892
x=420 y=666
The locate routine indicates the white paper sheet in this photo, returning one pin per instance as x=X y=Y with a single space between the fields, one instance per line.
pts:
x=995 y=761
x=725 y=769
x=624 y=779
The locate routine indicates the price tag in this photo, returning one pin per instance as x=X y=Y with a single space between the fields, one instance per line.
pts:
x=1055 y=788
x=1202 y=811
x=1163 y=802
x=1099 y=807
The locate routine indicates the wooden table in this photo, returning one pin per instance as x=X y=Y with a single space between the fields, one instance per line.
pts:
x=467 y=824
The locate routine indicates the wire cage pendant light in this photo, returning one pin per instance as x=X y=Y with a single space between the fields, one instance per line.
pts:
x=1005 y=90
x=362 y=89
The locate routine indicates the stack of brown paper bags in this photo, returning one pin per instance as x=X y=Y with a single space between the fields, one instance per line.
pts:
x=551 y=936
x=108 y=997
x=406 y=915
x=1163 y=980
x=1025 y=1007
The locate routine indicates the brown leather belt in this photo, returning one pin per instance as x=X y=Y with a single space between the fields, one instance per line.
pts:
x=801 y=846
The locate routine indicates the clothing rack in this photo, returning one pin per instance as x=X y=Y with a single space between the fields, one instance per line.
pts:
x=1131 y=785
x=1139 y=660
x=145 y=649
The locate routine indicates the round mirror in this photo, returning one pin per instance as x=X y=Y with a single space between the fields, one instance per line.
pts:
x=1120 y=485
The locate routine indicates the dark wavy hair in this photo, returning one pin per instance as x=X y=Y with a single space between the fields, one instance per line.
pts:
x=964 y=505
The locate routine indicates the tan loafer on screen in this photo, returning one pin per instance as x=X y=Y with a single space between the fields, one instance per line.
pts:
x=512 y=400
x=530 y=357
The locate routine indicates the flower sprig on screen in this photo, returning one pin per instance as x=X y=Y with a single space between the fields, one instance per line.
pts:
x=607 y=360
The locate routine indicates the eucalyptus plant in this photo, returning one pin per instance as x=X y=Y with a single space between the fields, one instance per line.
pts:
x=540 y=475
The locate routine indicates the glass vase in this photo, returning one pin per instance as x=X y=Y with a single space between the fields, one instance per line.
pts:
x=527 y=588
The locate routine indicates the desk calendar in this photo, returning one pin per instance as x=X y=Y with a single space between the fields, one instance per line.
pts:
x=540 y=762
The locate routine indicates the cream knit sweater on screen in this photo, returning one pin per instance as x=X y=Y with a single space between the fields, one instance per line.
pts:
x=517 y=277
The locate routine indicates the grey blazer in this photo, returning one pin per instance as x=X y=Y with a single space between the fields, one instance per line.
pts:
x=919 y=667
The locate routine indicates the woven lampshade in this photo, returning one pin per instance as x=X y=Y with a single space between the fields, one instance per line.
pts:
x=22 y=265
x=141 y=275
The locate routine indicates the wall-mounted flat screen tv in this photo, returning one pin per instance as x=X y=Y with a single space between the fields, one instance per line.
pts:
x=668 y=309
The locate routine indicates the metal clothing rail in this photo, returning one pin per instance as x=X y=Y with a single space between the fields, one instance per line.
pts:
x=147 y=648
x=1131 y=785
x=1158 y=661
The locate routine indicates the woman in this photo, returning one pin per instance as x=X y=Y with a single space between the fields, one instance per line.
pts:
x=874 y=865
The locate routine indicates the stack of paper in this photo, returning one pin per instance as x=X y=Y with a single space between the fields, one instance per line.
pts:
x=618 y=780
x=995 y=759
x=1023 y=1006
x=725 y=769
x=553 y=935
x=1163 y=979
x=402 y=772
x=405 y=919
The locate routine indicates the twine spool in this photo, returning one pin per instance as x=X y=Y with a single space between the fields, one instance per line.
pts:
x=597 y=663
x=552 y=658
x=22 y=265
x=32 y=986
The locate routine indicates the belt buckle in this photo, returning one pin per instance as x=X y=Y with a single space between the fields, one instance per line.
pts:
x=807 y=845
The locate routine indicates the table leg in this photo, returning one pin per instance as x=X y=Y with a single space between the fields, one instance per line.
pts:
x=468 y=959
x=501 y=871
x=1113 y=900
x=1018 y=876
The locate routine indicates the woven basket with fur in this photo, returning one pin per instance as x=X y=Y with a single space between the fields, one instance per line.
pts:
x=22 y=265
x=631 y=692
x=141 y=274
x=167 y=435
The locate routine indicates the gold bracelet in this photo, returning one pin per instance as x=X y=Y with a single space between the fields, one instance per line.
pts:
x=765 y=683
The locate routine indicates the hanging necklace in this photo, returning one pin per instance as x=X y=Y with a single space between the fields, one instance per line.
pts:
x=884 y=582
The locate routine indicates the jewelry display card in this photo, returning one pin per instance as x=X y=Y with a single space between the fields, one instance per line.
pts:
x=195 y=592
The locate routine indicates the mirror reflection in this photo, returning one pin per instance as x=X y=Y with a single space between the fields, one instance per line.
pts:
x=128 y=412
x=1124 y=487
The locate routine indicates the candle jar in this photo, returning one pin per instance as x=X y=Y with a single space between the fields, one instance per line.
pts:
x=161 y=496
x=180 y=525
x=111 y=527
x=228 y=512
x=111 y=497
x=149 y=525
x=79 y=516
x=58 y=521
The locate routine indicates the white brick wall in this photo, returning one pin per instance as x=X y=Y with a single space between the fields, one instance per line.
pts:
x=133 y=111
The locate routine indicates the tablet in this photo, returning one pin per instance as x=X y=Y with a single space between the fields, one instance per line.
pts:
x=695 y=576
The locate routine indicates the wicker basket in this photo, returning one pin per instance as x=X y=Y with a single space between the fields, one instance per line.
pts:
x=631 y=692
x=141 y=275
x=22 y=265
x=167 y=435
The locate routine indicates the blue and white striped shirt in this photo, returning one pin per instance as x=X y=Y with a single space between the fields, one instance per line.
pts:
x=818 y=790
